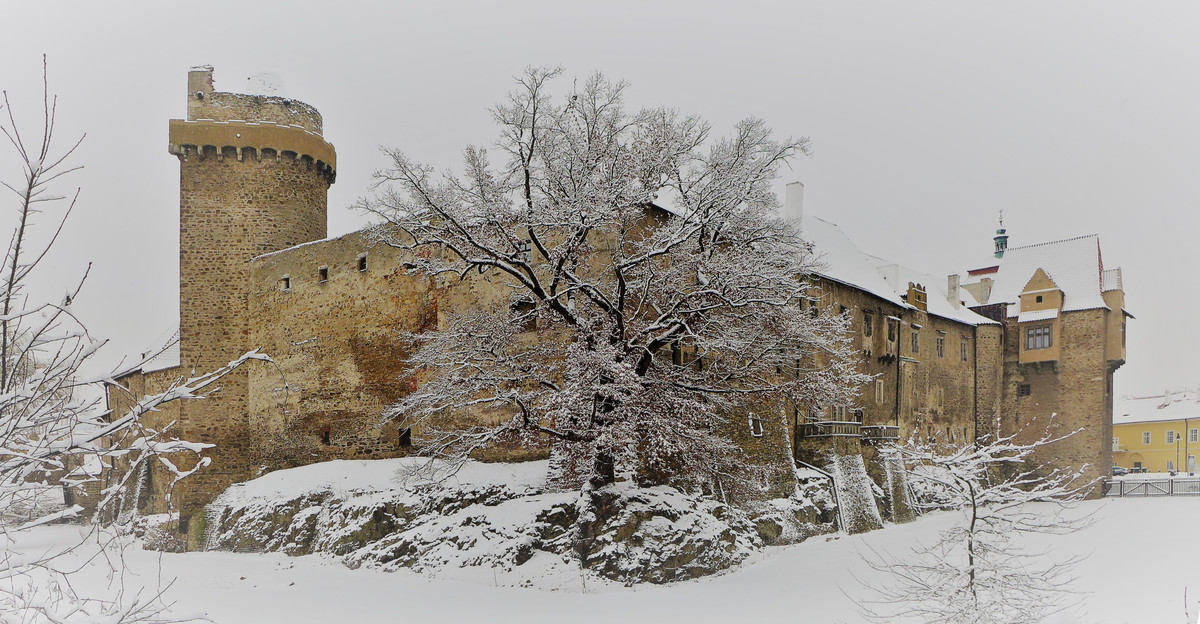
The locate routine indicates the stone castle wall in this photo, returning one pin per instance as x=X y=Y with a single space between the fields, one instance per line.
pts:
x=231 y=209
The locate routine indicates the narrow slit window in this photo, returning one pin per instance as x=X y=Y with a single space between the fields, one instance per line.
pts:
x=405 y=437
x=323 y=274
x=285 y=283
x=362 y=263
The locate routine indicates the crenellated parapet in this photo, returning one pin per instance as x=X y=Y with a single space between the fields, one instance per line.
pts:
x=252 y=140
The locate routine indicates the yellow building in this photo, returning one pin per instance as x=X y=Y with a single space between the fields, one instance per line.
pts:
x=1158 y=433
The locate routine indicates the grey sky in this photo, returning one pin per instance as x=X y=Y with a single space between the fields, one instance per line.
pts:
x=927 y=119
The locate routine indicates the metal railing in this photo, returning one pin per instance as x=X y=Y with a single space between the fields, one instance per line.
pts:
x=880 y=432
x=830 y=429
x=1185 y=486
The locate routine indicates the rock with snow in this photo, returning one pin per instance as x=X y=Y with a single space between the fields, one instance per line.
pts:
x=499 y=522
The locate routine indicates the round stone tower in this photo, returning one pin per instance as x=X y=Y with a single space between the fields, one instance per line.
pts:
x=254 y=172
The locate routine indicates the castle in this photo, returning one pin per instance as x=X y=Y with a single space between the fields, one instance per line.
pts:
x=1030 y=332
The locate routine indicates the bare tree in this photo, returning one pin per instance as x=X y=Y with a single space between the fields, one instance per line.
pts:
x=653 y=291
x=55 y=434
x=977 y=571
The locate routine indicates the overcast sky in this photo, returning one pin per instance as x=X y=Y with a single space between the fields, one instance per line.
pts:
x=927 y=119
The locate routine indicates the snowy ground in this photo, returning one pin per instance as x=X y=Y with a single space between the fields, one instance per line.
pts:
x=1140 y=560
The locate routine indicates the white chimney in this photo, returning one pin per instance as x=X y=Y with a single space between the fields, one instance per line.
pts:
x=985 y=290
x=952 y=293
x=793 y=205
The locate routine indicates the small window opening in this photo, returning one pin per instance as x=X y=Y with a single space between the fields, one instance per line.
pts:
x=323 y=274
x=362 y=263
x=325 y=435
x=1039 y=298
x=756 y=426
x=1024 y=390
x=285 y=283
x=405 y=437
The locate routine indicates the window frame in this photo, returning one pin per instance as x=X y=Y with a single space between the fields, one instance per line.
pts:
x=1038 y=337
x=1146 y=438
x=941 y=346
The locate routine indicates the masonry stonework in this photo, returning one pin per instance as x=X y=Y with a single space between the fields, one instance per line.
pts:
x=336 y=315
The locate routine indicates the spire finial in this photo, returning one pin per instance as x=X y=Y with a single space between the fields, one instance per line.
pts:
x=1001 y=238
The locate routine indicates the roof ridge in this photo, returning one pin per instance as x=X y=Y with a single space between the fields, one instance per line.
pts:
x=1065 y=240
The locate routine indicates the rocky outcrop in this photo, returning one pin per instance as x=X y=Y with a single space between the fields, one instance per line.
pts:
x=516 y=531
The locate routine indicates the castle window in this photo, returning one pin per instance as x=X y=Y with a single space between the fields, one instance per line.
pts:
x=756 y=426
x=404 y=438
x=1037 y=337
x=962 y=347
x=1170 y=437
x=1193 y=436
x=879 y=391
x=326 y=433
x=856 y=415
x=916 y=341
x=892 y=325
x=941 y=346
x=362 y=263
x=1024 y=390
x=1145 y=438
x=1039 y=298
x=323 y=274
x=838 y=413
x=285 y=283
x=868 y=324
x=525 y=312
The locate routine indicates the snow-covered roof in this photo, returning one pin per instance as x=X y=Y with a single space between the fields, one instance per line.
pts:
x=845 y=263
x=1162 y=407
x=1037 y=315
x=1074 y=264
x=163 y=353
x=937 y=300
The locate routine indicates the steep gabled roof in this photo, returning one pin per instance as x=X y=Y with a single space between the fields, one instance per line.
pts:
x=845 y=263
x=1073 y=264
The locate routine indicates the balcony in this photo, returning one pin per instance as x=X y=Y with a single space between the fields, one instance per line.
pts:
x=881 y=433
x=831 y=429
